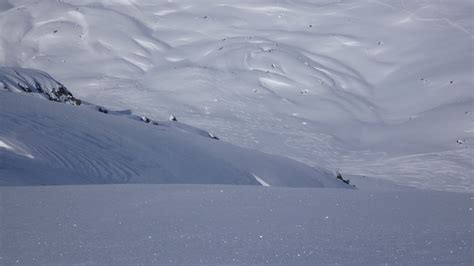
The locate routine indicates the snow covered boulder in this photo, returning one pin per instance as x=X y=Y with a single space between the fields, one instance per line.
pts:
x=35 y=81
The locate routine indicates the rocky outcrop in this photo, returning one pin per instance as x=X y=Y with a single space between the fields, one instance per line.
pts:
x=35 y=81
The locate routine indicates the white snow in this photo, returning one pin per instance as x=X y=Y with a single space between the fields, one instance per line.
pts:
x=6 y=146
x=379 y=90
x=17 y=150
x=389 y=82
x=261 y=181
x=200 y=225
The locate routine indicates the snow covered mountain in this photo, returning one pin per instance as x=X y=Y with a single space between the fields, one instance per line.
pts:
x=380 y=88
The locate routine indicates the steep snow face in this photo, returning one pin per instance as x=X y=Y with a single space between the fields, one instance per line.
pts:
x=380 y=88
x=47 y=143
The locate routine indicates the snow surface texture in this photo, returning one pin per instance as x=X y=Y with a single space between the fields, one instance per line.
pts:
x=222 y=225
x=380 y=88
x=47 y=143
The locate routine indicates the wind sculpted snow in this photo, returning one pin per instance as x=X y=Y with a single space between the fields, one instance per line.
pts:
x=381 y=88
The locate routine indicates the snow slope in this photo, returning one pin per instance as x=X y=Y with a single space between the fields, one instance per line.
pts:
x=380 y=88
x=238 y=225
x=48 y=143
